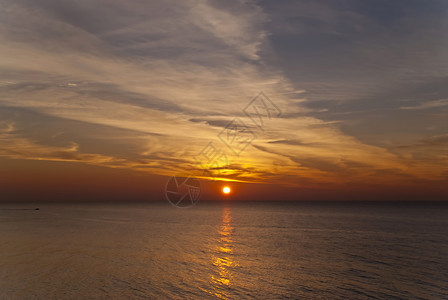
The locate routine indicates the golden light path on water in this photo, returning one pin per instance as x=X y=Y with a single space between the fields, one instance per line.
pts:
x=222 y=258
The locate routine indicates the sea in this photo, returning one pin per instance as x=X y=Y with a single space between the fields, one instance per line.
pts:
x=228 y=250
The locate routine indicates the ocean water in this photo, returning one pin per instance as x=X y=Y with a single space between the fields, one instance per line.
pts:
x=224 y=251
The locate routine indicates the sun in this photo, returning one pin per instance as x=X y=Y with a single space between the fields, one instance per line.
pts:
x=226 y=190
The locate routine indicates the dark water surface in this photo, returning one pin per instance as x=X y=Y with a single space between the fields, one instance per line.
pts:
x=224 y=251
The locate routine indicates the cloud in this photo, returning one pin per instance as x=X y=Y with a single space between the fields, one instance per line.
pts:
x=147 y=85
x=433 y=141
x=13 y=146
x=289 y=142
x=427 y=105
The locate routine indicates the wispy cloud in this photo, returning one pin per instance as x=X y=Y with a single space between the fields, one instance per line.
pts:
x=146 y=85
x=427 y=105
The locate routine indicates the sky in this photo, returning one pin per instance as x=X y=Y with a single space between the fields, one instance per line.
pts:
x=108 y=99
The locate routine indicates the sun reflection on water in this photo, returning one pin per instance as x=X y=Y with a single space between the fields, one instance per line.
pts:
x=222 y=258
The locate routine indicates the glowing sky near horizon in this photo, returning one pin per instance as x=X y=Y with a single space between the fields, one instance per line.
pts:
x=146 y=85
